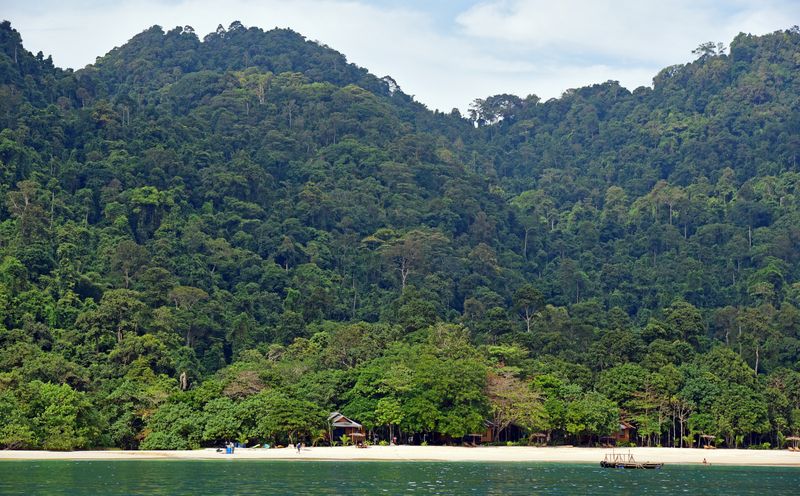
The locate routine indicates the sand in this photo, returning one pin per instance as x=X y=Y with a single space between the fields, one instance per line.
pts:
x=436 y=453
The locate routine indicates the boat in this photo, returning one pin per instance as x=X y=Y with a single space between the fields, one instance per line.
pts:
x=623 y=460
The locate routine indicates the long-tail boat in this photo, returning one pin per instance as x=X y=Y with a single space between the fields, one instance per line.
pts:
x=626 y=460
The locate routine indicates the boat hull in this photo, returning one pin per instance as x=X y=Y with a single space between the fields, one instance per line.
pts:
x=646 y=466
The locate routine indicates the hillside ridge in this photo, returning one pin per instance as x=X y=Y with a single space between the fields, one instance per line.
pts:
x=195 y=231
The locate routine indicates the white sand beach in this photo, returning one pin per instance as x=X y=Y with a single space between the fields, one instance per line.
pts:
x=436 y=453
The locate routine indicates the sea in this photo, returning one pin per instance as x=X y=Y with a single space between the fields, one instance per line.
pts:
x=244 y=477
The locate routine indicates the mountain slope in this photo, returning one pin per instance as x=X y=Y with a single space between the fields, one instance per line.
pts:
x=197 y=230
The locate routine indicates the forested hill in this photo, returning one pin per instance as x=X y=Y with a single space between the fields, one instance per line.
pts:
x=226 y=239
x=154 y=58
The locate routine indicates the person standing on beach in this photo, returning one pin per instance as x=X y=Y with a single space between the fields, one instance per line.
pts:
x=298 y=447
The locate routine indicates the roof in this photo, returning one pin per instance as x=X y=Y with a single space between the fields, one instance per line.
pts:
x=338 y=420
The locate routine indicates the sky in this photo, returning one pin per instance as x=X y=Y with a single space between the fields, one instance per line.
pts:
x=445 y=53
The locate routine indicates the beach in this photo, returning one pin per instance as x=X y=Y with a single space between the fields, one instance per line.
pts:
x=437 y=453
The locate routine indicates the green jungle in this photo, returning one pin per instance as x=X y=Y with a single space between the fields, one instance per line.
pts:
x=229 y=238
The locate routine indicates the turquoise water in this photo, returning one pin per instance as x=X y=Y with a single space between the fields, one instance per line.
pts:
x=278 y=477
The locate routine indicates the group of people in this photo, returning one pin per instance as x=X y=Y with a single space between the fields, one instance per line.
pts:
x=229 y=447
x=299 y=446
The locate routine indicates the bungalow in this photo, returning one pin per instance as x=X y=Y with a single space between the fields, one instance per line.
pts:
x=512 y=432
x=625 y=432
x=343 y=426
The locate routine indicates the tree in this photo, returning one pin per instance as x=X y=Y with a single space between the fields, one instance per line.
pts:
x=174 y=426
x=27 y=204
x=389 y=412
x=413 y=252
x=119 y=312
x=709 y=49
x=740 y=411
x=686 y=321
x=289 y=253
x=571 y=279
x=273 y=416
x=186 y=299
x=60 y=417
x=221 y=421
x=592 y=415
x=128 y=259
x=528 y=300
x=16 y=431
x=623 y=384
x=154 y=284
x=494 y=109
x=755 y=330
x=240 y=334
x=512 y=401
x=13 y=274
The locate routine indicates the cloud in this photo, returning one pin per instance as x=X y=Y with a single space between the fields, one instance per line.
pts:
x=445 y=55
x=626 y=31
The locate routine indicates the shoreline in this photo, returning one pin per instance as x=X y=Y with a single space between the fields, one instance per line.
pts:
x=559 y=454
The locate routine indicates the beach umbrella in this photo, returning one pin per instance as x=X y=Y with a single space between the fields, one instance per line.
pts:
x=357 y=435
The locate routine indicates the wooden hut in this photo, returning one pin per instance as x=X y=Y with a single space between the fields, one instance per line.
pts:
x=794 y=440
x=487 y=436
x=343 y=426
x=512 y=433
x=623 y=435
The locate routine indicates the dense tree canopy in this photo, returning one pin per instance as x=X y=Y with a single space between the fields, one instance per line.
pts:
x=227 y=239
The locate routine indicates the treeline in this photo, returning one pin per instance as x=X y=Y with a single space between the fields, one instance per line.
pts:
x=433 y=383
x=227 y=239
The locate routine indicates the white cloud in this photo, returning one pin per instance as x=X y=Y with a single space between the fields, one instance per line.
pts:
x=627 y=31
x=499 y=46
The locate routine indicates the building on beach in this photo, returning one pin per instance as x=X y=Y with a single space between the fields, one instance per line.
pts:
x=343 y=426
